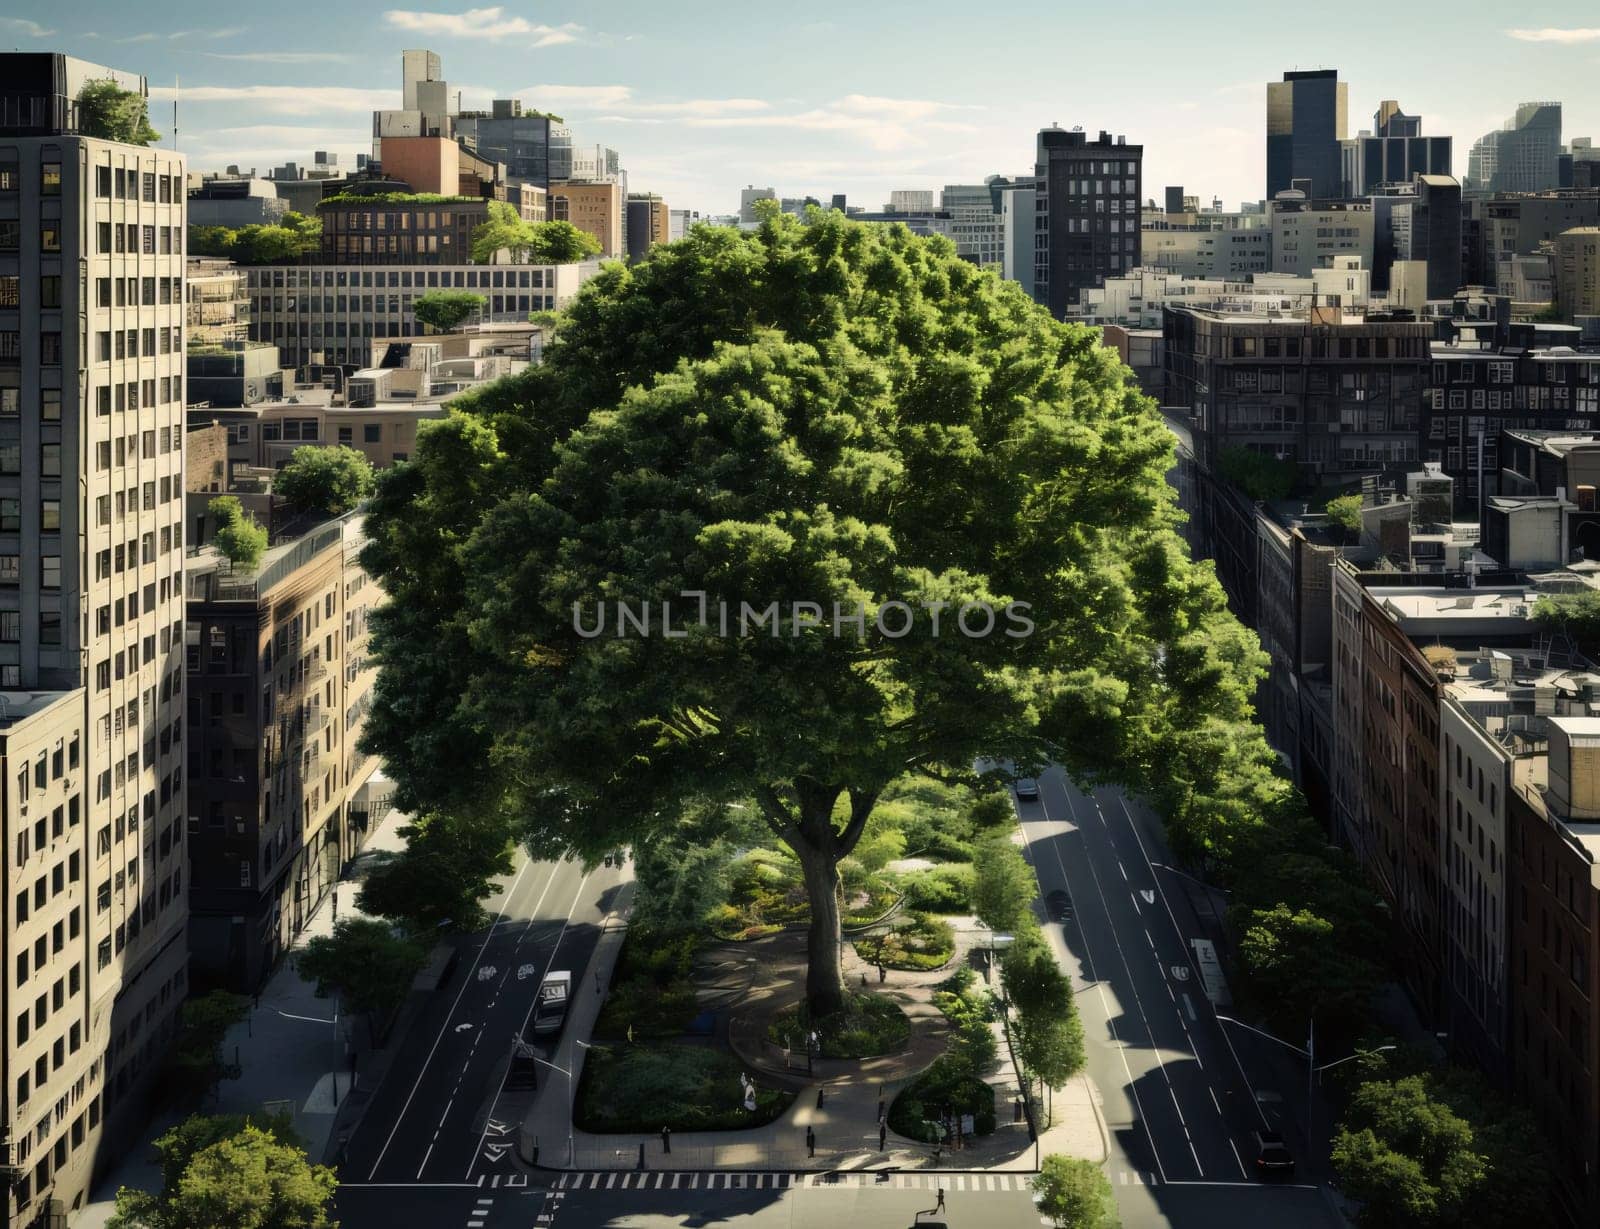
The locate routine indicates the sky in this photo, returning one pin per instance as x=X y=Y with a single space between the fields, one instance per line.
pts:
x=703 y=97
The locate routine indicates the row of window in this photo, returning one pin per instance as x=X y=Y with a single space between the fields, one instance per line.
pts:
x=404 y=279
x=135 y=239
x=121 y=184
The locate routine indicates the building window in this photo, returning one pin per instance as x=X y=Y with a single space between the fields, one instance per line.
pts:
x=50 y=571
x=50 y=237
x=50 y=179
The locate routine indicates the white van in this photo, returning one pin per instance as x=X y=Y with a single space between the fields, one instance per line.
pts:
x=550 y=1008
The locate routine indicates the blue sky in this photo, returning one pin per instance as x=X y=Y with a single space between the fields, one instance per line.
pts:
x=702 y=97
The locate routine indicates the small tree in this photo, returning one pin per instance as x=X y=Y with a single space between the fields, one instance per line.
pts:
x=1046 y=1029
x=1005 y=886
x=367 y=963
x=1075 y=1194
x=562 y=243
x=239 y=536
x=230 y=1171
x=546 y=243
x=330 y=481
x=443 y=310
x=1256 y=474
x=197 y=1060
x=1345 y=510
x=111 y=113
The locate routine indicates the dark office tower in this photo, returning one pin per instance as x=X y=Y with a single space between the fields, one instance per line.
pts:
x=1175 y=199
x=1436 y=233
x=1395 y=152
x=507 y=134
x=1306 y=114
x=1088 y=199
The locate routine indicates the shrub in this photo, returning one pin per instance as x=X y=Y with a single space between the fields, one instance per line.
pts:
x=940 y=889
x=869 y=1025
x=651 y=990
x=1075 y=1194
x=920 y=942
x=688 y=1088
x=950 y=1082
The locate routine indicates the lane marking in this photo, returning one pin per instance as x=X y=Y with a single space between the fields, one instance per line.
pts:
x=1189 y=1007
x=465 y=982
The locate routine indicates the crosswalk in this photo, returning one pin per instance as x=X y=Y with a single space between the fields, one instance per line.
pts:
x=633 y=1180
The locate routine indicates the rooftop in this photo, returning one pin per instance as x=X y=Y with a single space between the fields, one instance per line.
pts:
x=17 y=706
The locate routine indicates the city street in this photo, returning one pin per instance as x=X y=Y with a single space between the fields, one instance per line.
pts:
x=1178 y=1108
x=433 y=1120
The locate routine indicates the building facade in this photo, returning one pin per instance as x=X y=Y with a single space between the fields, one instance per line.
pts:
x=1577 y=280
x=1087 y=218
x=1394 y=152
x=649 y=223
x=91 y=614
x=399 y=230
x=596 y=208
x=1520 y=156
x=1306 y=119
x=508 y=134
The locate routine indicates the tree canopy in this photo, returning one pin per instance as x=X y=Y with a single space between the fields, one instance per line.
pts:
x=325 y=480
x=257 y=244
x=1345 y=510
x=230 y=1170
x=366 y=962
x=445 y=309
x=552 y=243
x=239 y=536
x=1257 y=474
x=111 y=113
x=444 y=871
x=824 y=413
x=1075 y=1194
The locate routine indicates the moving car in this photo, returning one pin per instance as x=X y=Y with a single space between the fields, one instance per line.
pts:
x=1273 y=1159
x=1059 y=906
x=550 y=1008
x=1027 y=789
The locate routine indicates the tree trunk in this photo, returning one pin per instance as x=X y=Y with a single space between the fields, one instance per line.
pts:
x=824 y=970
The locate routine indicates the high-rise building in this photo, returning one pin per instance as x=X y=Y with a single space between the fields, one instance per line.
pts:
x=1521 y=156
x=1088 y=195
x=1577 y=261
x=910 y=200
x=520 y=139
x=427 y=107
x=1427 y=228
x=1306 y=120
x=91 y=628
x=747 y=202
x=648 y=223
x=1394 y=152
x=681 y=222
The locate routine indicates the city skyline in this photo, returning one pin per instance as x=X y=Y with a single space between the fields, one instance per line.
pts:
x=947 y=108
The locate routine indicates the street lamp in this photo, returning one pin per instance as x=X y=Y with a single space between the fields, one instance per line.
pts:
x=566 y=1071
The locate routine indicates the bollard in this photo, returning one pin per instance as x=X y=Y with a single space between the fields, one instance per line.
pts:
x=881 y=974
x=811 y=1142
x=641 y=1154
x=1016 y=1109
x=534 y=1159
x=883 y=1136
x=666 y=1140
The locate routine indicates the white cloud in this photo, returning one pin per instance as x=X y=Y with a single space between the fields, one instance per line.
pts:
x=285 y=99
x=618 y=102
x=23 y=26
x=897 y=108
x=487 y=23
x=280 y=57
x=1556 y=34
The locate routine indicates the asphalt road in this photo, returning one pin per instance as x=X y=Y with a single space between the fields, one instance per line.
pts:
x=1179 y=1108
x=433 y=1119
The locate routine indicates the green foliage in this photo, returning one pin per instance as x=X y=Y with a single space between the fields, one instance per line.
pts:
x=342 y=199
x=1438 y=1149
x=1046 y=1029
x=969 y=1009
x=1575 y=615
x=443 y=310
x=830 y=412
x=446 y=868
x=323 y=479
x=1345 y=510
x=940 y=889
x=1256 y=474
x=258 y=244
x=196 y=1062
x=540 y=243
x=231 y=1171
x=1301 y=968
x=366 y=962
x=651 y=989
x=919 y=941
x=1075 y=1194
x=869 y=1025
x=991 y=810
x=240 y=537
x=949 y=1083
x=634 y=1088
x=110 y=113
x=682 y=873
x=1004 y=887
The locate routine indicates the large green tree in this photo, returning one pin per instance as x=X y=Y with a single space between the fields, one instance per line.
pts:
x=445 y=309
x=445 y=869
x=325 y=480
x=230 y=1171
x=367 y=962
x=555 y=243
x=108 y=111
x=1075 y=1194
x=828 y=413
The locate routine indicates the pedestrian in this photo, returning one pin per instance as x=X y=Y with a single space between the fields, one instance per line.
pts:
x=883 y=1135
x=881 y=973
x=811 y=1142
x=940 y=1208
x=666 y=1140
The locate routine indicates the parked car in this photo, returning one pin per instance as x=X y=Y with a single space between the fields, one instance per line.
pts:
x=1059 y=906
x=1027 y=789
x=550 y=1008
x=1273 y=1158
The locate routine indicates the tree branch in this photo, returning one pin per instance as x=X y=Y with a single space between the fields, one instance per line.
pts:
x=777 y=816
x=861 y=804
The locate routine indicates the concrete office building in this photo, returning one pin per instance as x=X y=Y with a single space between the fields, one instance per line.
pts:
x=1501 y=228
x=975 y=221
x=91 y=619
x=235 y=202
x=1306 y=120
x=521 y=139
x=680 y=222
x=331 y=314
x=1522 y=155
x=280 y=794
x=1087 y=226
x=1394 y=152
x=387 y=231
x=1427 y=228
x=427 y=103
x=1309 y=235
x=747 y=203
x=1577 y=272
x=1019 y=207
x=910 y=200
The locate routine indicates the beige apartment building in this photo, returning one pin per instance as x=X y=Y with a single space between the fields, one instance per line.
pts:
x=1577 y=268
x=593 y=207
x=91 y=623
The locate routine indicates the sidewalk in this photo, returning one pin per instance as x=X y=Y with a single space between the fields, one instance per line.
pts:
x=293 y=1057
x=838 y=1103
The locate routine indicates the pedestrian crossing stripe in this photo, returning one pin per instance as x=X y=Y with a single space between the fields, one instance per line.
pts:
x=733 y=1180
